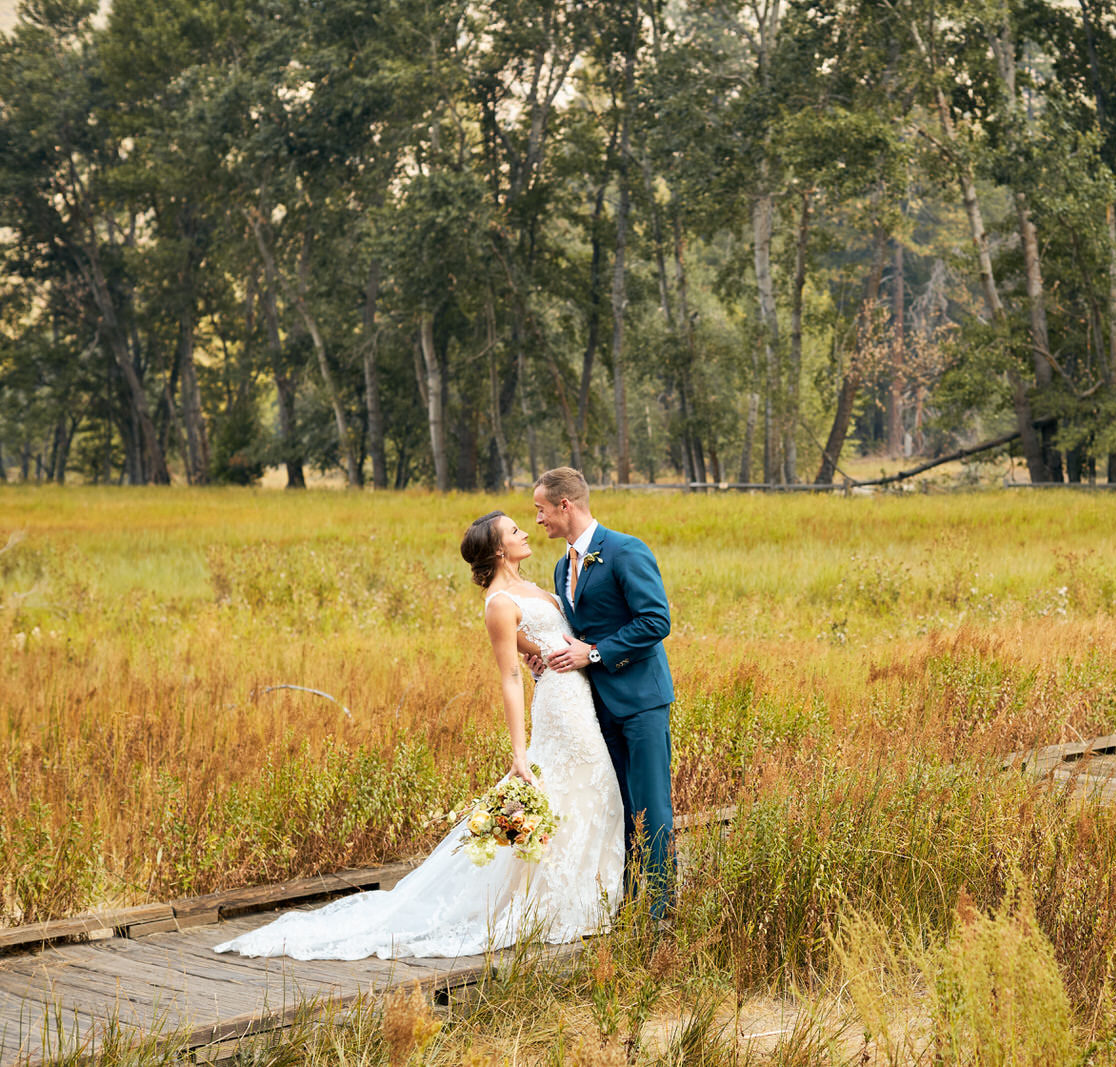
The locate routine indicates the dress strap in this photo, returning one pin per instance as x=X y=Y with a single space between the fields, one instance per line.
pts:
x=503 y=592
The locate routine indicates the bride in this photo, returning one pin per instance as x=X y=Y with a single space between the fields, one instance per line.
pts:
x=447 y=906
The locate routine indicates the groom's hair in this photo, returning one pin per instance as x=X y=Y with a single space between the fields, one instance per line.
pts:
x=564 y=482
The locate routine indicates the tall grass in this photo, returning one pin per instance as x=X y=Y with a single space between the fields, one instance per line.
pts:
x=850 y=672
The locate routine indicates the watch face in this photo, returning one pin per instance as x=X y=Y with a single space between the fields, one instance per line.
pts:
x=594 y=656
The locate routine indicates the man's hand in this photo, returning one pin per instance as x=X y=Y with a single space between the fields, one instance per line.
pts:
x=572 y=658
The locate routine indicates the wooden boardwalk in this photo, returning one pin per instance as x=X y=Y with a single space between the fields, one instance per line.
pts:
x=64 y=996
x=152 y=969
x=1088 y=768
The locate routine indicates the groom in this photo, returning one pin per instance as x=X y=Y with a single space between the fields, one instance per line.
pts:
x=613 y=594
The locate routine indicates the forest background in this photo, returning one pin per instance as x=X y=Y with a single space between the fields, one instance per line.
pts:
x=452 y=243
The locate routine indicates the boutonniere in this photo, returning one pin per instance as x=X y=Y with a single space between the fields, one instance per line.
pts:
x=591 y=557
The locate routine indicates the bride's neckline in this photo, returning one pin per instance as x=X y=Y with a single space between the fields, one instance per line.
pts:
x=532 y=592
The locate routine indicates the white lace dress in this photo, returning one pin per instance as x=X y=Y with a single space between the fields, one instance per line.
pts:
x=448 y=906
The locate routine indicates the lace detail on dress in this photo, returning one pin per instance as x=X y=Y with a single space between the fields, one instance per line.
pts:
x=448 y=907
x=563 y=718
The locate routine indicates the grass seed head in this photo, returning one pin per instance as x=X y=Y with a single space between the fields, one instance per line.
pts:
x=408 y=1024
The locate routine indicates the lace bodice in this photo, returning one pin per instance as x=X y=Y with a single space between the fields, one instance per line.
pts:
x=542 y=621
x=563 y=720
x=448 y=907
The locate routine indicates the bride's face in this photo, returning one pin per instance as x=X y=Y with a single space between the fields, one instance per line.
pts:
x=513 y=540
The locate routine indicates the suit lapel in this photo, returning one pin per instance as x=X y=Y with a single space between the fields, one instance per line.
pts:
x=588 y=571
x=562 y=579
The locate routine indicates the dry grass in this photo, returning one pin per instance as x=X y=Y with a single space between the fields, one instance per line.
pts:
x=849 y=671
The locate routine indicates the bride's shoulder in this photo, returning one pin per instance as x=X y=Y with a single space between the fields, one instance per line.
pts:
x=502 y=602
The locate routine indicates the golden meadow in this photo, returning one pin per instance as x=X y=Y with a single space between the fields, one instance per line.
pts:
x=850 y=672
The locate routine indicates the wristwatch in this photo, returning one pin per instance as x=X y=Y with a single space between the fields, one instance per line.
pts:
x=594 y=655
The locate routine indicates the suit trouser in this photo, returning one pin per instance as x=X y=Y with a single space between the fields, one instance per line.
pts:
x=639 y=745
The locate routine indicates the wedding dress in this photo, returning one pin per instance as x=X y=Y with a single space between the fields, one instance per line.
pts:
x=449 y=907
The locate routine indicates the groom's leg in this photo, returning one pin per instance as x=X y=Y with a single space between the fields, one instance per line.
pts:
x=647 y=734
x=612 y=730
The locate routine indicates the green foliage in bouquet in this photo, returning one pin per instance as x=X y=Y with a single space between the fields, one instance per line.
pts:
x=514 y=813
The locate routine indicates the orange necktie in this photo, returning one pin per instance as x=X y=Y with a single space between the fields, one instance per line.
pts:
x=573 y=572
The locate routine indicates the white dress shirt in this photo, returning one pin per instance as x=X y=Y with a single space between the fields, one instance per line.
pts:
x=581 y=545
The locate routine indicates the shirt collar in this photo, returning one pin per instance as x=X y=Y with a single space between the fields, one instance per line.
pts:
x=586 y=539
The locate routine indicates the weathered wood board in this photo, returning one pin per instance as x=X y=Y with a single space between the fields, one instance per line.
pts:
x=173 y=982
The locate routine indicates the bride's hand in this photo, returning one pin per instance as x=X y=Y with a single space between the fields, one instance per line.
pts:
x=535 y=664
x=521 y=767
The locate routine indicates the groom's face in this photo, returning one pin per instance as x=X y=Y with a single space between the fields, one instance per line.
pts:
x=554 y=518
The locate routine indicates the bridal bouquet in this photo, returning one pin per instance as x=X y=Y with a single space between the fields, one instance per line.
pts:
x=513 y=813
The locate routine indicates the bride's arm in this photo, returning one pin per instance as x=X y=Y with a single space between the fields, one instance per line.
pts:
x=502 y=621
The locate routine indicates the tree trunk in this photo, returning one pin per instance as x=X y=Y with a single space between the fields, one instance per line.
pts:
x=593 y=326
x=285 y=395
x=284 y=387
x=465 y=452
x=297 y=296
x=131 y=435
x=352 y=466
x=523 y=381
x=751 y=420
x=691 y=446
x=150 y=462
x=898 y=357
x=850 y=384
x=501 y=463
x=193 y=418
x=794 y=367
x=657 y=241
x=63 y=438
x=1040 y=337
x=372 y=380
x=763 y=212
x=435 y=411
x=842 y=416
x=1032 y=448
x=1110 y=214
x=699 y=459
x=1110 y=220
x=619 y=287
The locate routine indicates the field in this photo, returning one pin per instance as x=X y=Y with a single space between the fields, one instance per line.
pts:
x=850 y=671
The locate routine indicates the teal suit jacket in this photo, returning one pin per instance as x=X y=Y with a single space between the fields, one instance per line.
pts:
x=621 y=607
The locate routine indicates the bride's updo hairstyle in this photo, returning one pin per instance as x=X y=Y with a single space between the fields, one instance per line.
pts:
x=480 y=547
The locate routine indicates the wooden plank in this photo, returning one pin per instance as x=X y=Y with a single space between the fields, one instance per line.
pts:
x=260 y=896
x=89 y=924
x=146 y=919
x=159 y=926
x=247 y=1025
x=705 y=818
x=193 y=957
x=79 y=989
x=1039 y=760
x=41 y=1033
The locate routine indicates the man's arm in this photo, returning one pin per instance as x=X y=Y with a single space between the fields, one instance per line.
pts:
x=638 y=576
